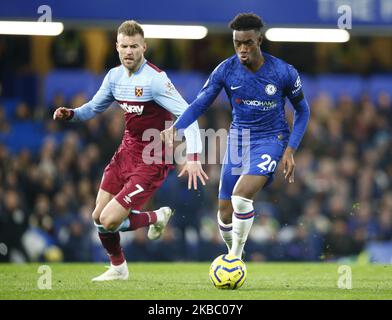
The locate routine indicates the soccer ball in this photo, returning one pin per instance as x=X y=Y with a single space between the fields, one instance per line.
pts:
x=228 y=272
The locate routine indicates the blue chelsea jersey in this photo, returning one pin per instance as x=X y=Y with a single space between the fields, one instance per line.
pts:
x=257 y=99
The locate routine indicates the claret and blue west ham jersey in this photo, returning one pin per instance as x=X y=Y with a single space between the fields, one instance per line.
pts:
x=148 y=99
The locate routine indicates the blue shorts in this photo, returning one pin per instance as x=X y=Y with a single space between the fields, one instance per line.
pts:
x=256 y=159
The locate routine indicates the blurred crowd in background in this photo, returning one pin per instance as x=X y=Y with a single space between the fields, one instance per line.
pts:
x=339 y=206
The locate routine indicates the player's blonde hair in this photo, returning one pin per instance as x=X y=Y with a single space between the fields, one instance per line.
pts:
x=130 y=28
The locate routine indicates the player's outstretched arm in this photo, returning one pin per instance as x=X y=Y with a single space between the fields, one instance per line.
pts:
x=63 y=114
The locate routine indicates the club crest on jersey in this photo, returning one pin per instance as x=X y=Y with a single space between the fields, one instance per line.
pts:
x=138 y=91
x=270 y=89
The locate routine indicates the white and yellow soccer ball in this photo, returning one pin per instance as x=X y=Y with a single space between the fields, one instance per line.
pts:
x=228 y=272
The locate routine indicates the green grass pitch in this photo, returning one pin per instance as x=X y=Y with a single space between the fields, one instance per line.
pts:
x=175 y=281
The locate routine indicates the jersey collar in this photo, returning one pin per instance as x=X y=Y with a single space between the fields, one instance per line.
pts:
x=138 y=70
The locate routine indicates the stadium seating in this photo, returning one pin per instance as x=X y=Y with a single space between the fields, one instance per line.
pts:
x=187 y=83
x=378 y=84
x=310 y=86
x=24 y=135
x=9 y=106
x=69 y=83
x=72 y=82
x=338 y=85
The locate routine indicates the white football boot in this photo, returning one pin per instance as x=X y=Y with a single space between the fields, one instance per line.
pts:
x=163 y=216
x=119 y=272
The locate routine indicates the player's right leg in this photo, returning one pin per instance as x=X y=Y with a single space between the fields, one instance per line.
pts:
x=103 y=198
x=256 y=176
x=118 y=269
x=224 y=217
x=111 y=184
x=225 y=208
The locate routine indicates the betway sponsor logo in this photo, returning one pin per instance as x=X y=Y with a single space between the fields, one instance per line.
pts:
x=132 y=108
x=263 y=105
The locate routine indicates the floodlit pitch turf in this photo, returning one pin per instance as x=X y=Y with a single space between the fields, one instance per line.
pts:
x=172 y=281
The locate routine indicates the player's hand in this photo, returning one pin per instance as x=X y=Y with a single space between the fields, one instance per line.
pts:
x=62 y=114
x=167 y=136
x=195 y=171
x=289 y=164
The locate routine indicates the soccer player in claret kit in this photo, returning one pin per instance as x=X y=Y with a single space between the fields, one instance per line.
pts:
x=148 y=99
x=257 y=85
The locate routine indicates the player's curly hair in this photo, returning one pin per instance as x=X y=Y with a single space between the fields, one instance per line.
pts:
x=130 y=28
x=246 y=21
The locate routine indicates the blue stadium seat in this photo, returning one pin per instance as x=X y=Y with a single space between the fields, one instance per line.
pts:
x=24 y=135
x=338 y=85
x=188 y=84
x=69 y=83
x=27 y=88
x=9 y=107
x=309 y=86
x=378 y=84
x=97 y=81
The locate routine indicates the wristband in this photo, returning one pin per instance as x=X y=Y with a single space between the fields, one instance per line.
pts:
x=71 y=115
x=193 y=157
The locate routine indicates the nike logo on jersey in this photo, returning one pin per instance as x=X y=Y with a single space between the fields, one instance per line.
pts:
x=235 y=88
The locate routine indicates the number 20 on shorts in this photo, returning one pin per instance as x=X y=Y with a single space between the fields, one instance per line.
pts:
x=268 y=164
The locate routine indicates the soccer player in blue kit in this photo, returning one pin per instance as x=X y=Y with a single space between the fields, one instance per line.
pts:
x=257 y=85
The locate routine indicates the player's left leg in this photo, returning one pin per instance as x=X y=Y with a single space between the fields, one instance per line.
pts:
x=242 y=201
x=225 y=209
x=141 y=185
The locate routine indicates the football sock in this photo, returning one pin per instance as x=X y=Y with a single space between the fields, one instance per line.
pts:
x=225 y=231
x=140 y=219
x=111 y=242
x=242 y=221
